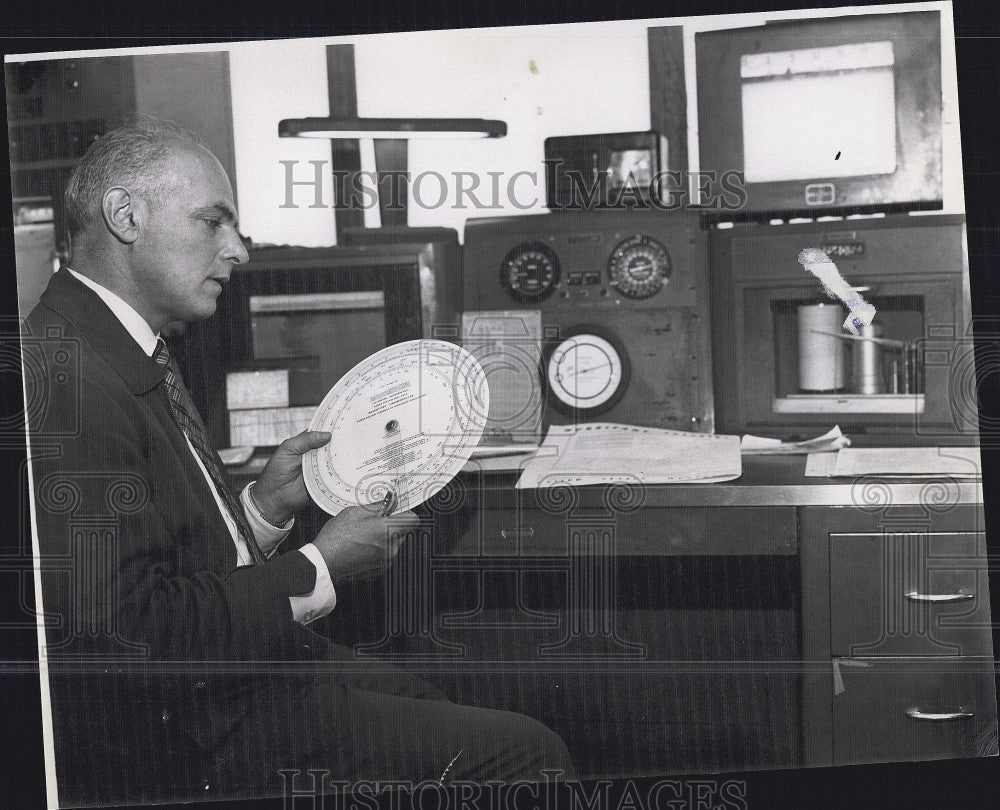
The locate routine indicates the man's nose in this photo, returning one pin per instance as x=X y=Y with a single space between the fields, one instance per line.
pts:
x=234 y=250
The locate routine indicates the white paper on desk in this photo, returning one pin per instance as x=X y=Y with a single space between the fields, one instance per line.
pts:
x=833 y=439
x=958 y=462
x=488 y=451
x=603 y=453
x=820 y=465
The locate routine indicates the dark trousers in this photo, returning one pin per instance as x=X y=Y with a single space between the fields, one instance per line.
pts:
x=380 y=725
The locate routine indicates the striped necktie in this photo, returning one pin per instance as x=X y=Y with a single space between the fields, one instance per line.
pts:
x=186 y=416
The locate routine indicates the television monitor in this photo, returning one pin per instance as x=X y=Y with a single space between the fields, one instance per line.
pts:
x=825 y=116
x=321 y=308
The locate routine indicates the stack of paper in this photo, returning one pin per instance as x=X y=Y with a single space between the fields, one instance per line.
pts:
x=924 y=462
x=268 y=427
x=760 y=446
x=603 y=453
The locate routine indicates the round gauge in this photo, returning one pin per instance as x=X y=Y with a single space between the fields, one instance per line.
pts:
x=639 y=266
x=586 y=373
x=530 y=272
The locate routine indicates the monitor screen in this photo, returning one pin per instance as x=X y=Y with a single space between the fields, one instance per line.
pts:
x=819 y=112
x=320 y=309
x=839 y=115
x=338 y=329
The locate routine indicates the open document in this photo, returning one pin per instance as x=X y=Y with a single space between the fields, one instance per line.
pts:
x=957 y=462
x=603 y=453
x=832 y=440
x=926 y=462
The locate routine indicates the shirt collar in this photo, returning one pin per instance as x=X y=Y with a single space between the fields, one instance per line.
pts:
x=133 y=322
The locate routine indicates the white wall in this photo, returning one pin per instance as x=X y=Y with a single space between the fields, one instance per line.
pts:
x=541 y=80
x=531 y=78
x=271 y=81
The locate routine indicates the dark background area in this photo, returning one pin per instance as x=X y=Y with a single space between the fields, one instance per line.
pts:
x=43 y=27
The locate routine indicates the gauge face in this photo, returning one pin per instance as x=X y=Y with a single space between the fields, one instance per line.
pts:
x=530 y=272
x=639 y=267
x=586 y=374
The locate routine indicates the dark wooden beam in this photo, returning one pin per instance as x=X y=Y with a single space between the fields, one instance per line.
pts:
x=667 y=94
x=345 y=155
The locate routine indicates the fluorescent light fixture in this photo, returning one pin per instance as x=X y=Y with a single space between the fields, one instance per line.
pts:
x=398 y=128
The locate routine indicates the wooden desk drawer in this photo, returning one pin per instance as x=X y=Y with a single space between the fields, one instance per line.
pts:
x=909 y=594
x=902 y=710
x=648 y=531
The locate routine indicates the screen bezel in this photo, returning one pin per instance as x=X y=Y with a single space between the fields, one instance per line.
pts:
x=917 y=182
x=212 y=348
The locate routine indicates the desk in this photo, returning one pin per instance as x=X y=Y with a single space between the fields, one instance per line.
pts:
x=770 y=622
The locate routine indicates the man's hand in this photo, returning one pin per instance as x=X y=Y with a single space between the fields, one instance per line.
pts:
x=362 y=539
x=280 y=491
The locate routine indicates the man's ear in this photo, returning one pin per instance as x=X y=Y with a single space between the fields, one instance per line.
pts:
x=118 y=209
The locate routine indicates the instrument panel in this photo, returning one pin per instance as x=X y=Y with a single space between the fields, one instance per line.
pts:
x=530 y=272
x=623 y=300
x=639 y=266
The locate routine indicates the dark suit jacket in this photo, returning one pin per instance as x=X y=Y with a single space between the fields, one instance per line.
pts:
x=151 y=627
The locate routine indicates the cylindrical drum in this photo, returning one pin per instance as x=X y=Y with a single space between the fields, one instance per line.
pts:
x=821 y=356
x=867 y=375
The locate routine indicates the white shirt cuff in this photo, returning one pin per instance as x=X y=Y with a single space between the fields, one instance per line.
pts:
x=323 y=597
x=268 y=536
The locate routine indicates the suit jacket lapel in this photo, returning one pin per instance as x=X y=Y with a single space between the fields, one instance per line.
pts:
x=111 y=341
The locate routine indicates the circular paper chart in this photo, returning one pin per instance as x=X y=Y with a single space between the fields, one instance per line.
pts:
x=407 y=419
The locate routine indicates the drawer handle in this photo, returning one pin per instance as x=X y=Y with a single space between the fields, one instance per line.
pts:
x=510 y=534
x=938 y=717
x=938 y=598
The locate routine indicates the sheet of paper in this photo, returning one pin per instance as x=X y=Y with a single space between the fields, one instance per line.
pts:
x=487 y=451
x=267 y=427
x=961 y=462
x=820 y=465
x=833 y=439
x=603 y=453
x=257 y=389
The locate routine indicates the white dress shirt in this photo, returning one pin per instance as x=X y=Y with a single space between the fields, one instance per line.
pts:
x=322 y=599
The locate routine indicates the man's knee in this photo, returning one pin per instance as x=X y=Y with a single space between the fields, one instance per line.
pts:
x=532 y=747
x=552 y=753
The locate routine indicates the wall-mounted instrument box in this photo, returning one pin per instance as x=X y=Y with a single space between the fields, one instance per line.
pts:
x=613 y=170
x=440 y=257
x=622 y=300
x=832 y=115
x=785 y=366
x=318 y=309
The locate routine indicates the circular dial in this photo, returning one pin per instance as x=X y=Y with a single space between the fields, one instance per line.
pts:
x=586 y=374
x=639 y=266
x=530 y=272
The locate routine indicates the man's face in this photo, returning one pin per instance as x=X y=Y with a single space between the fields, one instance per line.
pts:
x=188 y=241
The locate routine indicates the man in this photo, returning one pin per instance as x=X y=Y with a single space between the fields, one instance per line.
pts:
x=179 y=660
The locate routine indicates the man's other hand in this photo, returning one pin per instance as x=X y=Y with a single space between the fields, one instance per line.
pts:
x=362 y=540
x=280 y=491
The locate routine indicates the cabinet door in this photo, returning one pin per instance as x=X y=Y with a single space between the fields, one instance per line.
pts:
x=897 y=710
x=921 y=593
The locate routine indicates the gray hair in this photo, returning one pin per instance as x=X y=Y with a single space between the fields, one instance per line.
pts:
x=128 y=156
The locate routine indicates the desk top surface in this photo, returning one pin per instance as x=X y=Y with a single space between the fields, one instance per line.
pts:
x=767 y=481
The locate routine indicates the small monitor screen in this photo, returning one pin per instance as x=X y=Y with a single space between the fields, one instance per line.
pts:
x=819 y=113
x=340 y=329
